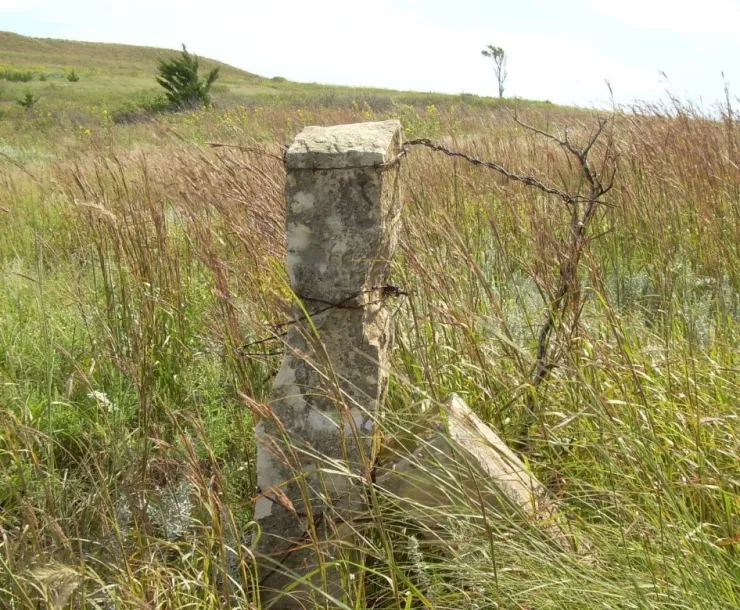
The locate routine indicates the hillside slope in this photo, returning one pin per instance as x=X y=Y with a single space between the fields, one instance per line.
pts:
x=110 y=74
x=38 y=54
x=117 y=74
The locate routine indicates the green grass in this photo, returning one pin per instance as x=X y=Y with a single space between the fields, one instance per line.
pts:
x=135 y=260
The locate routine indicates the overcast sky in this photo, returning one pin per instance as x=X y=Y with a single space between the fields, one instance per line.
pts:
x=561 y=50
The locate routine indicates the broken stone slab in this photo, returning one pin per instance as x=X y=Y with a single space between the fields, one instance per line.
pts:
x=342 y=220
x=451 y=457
x=343 y=146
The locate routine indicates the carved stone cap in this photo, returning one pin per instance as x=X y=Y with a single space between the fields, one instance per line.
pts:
x=344 y=146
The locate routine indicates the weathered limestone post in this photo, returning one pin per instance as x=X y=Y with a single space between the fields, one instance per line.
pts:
x=342 y=226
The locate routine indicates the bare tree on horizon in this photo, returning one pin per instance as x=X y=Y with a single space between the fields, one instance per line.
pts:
x=498 y=55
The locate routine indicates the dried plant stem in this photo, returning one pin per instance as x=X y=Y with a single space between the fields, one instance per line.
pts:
x=583 y=210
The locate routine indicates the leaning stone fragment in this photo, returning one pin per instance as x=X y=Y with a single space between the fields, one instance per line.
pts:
x=450 y=451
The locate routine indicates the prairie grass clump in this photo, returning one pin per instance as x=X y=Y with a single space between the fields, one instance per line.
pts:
x=135 y=265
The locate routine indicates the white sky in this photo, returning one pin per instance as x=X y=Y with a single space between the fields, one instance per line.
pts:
x=561 y=50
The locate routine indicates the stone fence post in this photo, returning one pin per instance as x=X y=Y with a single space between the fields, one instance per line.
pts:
x=342 y=219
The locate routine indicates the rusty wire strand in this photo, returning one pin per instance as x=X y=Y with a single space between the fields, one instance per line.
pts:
x=386 y=291
x=526 y=179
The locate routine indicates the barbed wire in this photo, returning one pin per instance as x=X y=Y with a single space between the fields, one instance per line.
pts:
x=527 y=179
x=387 y=291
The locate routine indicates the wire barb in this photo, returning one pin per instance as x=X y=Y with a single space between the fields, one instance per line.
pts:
x=387 y=291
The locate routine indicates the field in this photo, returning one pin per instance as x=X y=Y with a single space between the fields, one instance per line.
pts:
x=136 y=260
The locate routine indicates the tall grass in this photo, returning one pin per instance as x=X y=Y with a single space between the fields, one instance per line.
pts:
x=136 y=264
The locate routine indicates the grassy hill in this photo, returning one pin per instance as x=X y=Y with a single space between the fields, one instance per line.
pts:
x=109 y=73
x=44 y=55
x=114 y=74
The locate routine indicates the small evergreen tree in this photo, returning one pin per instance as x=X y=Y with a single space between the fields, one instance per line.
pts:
x=28 y=101
x=183 y=87
x=73 y=77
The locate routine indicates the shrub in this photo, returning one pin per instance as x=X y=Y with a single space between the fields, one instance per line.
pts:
x=155 y=102
x=28 y=101
x=16 y=76
x=418 y=124
x=183 y=86
x=140 y=109
x=73 y=77
x=279 y=79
